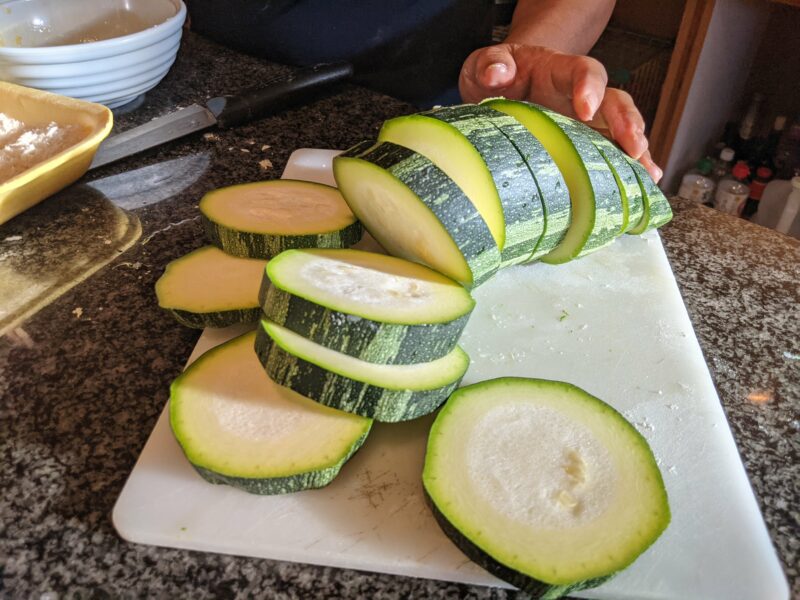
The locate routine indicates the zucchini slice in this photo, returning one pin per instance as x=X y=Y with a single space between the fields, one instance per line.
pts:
x=236 y=426
x=378 y=308
x=657 y=211
x=596 y=203
x=381 y=392
x=261 y=219
x=552 y=190
x=630 y=191
x=542 y=484
x=209 y=288
x=416 y=212
x=466 y=143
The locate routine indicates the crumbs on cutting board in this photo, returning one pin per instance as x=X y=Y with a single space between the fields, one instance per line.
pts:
x=23 y=146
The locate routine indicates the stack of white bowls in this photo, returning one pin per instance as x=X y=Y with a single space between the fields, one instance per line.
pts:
x=106 y=51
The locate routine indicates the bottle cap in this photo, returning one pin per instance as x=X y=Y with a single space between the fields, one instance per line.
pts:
x=727 y=154
x=705 y=166
x=764 y=172
x=740 y=170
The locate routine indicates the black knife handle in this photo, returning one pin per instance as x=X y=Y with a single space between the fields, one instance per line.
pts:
x=236 y=110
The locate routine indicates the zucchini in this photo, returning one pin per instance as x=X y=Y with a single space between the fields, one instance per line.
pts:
x=381 y=392
x=596 y=203
x=466 y=143
x=542 y=484
x=630 y=191
x=552 y=190
x=378 y=308
x=416 y=212
x=657 y=211
x=238 y=427
x=209 y=288
x=261 y=219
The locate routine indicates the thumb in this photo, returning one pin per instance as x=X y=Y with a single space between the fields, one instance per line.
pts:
x=495 y=68
x=486 y=72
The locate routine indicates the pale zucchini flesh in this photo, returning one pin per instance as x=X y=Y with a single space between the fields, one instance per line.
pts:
x=238 y=427
x=383 y=392
x=263 y=218
x=416 y=212
x=543 y=484
x=210 y=288
x=446 y=145
x=374 y=307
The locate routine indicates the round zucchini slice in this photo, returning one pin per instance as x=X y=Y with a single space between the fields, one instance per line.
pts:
x=542 y=484
x=417 y=212
x=237 y=427
x=468 y=143
x=596 y=204
x=657 y=211
x=209 y=288
x=259 y=220
x=381 y=392
x=378 y=308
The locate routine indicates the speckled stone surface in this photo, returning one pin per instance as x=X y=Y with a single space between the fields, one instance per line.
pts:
x=83 y=381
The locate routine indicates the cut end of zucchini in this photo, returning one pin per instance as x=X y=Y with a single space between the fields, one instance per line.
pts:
x=449 y=149
x=263 y=218
x=374 y=286
x=596 y=203
x=416 y=212
x=657 y=211
x=383 y=392
x=209 y=288
x=236 y=426
x=543 y=483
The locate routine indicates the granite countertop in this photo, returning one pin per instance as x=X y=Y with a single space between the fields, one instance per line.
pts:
x=85 y=368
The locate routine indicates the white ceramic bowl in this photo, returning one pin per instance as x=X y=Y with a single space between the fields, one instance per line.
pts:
x=106 y=51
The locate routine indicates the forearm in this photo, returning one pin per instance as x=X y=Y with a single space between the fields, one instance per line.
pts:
x=571 y=26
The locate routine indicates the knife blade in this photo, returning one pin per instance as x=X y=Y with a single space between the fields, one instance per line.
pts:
x=223 y=112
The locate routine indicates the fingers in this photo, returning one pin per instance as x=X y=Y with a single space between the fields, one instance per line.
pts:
x=487 y=72
x=620 y=116
x=588 y=81
x=655 y=172
x=570 y=84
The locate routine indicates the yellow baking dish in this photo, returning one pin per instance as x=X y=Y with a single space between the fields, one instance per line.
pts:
x=37 y=109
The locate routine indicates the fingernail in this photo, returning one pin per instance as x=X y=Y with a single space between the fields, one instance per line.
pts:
x=495 y=74
x=592 y=103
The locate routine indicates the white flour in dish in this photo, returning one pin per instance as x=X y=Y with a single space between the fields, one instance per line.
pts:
x=22 y=147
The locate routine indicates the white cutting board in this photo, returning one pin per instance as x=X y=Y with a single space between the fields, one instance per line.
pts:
x=612 y=323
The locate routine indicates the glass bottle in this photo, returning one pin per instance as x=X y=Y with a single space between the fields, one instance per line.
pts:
x=732 y=192
x=760 y=181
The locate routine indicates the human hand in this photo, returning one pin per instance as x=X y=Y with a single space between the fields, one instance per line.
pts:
x=571 y=84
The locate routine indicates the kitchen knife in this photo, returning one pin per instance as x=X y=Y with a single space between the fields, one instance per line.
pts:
x=223 y=111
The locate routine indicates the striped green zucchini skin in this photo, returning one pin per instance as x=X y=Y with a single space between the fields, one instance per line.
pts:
x=442 y=197
x=344 y=393
x=553 y=193
x=629 y=188
x=607 y=201
x=282 y=485
x=485 y=129
x=526 y=583
x=215 y=319
x=657 y=211
x=372 y=341
x=248 y=244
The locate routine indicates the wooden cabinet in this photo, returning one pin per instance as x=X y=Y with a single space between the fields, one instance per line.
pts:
x=725 y=50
